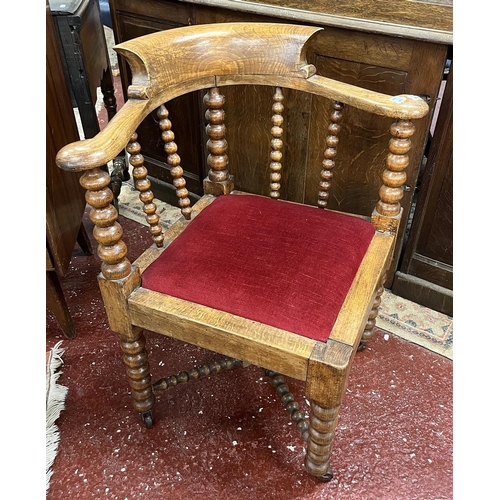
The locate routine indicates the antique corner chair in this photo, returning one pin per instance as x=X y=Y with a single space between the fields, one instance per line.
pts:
x=288 y=287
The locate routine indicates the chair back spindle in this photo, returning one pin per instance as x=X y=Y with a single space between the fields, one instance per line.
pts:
x=387 y=212
x=276 y=154
x=332 y=141
x=218 y=180
x=143 y=185
x=174 y=161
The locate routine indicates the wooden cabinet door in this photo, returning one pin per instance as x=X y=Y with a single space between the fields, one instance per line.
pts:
x=426 y=272
x=64 y=197
x=134 y=19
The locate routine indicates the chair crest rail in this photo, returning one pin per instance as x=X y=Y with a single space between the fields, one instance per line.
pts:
x=225 y=59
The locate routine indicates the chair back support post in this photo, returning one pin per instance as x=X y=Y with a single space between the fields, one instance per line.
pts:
x=107 y=231
x=387 y=213
x=143 y=185
x=174 y=161
x=330 y=153
x=276 y=154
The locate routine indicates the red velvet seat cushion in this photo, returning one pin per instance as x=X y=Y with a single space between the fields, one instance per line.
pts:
x=282 y=264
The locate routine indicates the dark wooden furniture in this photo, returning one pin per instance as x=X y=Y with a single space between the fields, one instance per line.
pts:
x=425 y=275
x=65 y=200
x=291 y=288
x=382 y=45
x=85 y=59
x=86 y=65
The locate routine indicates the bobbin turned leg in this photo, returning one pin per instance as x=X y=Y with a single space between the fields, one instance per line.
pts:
x=117 y=280
x=289 y=403
x=135 y=358
x=322 y=424
x=327 y=377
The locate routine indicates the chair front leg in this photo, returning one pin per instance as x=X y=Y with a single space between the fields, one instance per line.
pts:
x=322 y=424
x=117 y=280
x=327 y=375
x=135 y=357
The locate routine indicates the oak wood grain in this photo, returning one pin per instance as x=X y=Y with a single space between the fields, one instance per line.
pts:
x=159 y=79
x=414 y=19
x=354 y=313
x=218 y=331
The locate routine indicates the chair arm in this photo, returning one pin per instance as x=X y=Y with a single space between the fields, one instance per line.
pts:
x=108 y=143
x=403 y=107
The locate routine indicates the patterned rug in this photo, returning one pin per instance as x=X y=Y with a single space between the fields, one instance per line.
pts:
x=398 y=316
x=55 y=395
x=416 y=323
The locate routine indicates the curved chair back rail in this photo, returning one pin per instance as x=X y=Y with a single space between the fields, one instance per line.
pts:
x=165 y=66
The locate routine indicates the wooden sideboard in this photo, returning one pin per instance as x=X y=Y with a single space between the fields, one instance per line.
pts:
x=384 y=45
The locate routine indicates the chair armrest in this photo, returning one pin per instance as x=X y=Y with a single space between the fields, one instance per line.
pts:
x=403 y=107
x=108 y=143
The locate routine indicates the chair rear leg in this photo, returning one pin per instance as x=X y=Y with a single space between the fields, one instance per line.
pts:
x=370 y=324
x=135 y=357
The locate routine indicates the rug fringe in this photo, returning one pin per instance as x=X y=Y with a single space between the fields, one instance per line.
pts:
x=55 y=402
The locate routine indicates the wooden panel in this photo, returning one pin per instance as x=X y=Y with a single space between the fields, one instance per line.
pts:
x=425 y=275
x=94 y=48
x=65 y=200
x=172 y=12
x=141 y=19
x=423 y=292
x=431 y=21
x=433 y=14
x=436 y=235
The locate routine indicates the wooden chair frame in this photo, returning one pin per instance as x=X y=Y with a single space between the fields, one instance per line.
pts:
x=166 y=65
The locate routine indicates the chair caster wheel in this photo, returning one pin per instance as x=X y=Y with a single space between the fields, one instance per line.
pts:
x=362 y=346
x=328 y=476
x=147 y=418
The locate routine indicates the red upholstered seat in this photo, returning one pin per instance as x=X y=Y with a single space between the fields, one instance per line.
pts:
x=279 y=263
